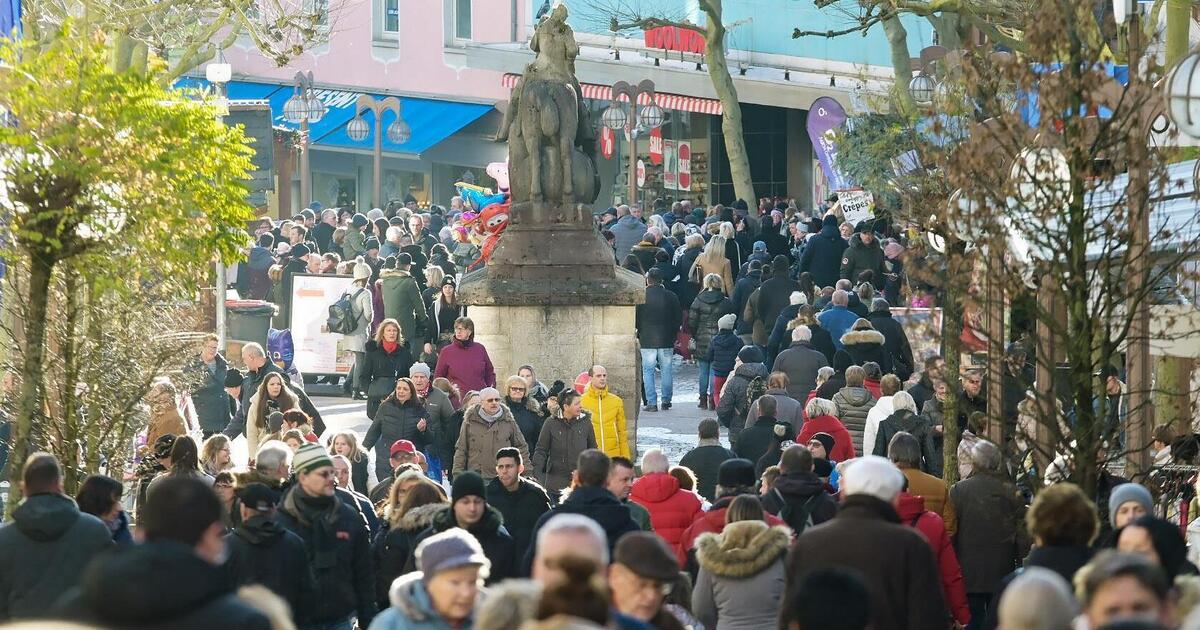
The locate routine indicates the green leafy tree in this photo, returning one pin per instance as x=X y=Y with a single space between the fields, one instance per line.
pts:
x=110 y=169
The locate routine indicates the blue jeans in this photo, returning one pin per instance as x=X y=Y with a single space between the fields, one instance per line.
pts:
x=661 y=358
x=705 y=376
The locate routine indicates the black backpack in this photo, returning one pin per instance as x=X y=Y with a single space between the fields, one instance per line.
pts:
x=786 y=513
x=342 y=319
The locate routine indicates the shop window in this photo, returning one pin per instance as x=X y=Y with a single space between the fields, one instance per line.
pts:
x=462 y=19
x=391 y=16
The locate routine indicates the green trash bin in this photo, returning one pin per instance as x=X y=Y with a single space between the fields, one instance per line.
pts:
x=248 y=320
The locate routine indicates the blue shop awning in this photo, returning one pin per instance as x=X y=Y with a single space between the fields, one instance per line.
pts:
x=430 y=120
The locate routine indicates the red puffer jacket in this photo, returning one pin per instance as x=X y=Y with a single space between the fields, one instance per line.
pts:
x=913 y=513
x=672 y=510
x=843 y=444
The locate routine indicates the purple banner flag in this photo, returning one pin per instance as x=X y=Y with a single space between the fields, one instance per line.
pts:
x=825 y=116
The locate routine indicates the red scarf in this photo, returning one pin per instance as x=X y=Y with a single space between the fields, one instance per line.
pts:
x=390 y=346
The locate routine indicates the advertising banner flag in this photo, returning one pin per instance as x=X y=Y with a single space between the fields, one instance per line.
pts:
x=10 y=17
x=825 y=117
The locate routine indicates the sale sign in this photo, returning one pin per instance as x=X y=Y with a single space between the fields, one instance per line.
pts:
x=608 y=143
x=656 y=146
x=684 y=155
x=641 y=174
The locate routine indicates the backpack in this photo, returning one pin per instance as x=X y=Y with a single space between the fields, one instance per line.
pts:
x=342 y=319
x=786 y=512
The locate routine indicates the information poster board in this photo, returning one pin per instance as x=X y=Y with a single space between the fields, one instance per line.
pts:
x=316 y=351
x=856 y=205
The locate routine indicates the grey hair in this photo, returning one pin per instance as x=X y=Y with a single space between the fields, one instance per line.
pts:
x=841 y=298
x=802 y=333
x=855 y=376
x=341 y=458
x=824 y=373
x=714 y=281
x=986 y=456
x=577 y=524
x=820 y=407
x=655 y=461
x=394 y=232
x=905 y=449
x=272 y=455
x=255 y=349
x=1038 y=599
x=904 y=400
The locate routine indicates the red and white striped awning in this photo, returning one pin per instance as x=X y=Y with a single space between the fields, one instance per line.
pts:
x=664 y=100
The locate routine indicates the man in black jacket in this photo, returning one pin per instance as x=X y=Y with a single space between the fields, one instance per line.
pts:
x=591 y=499
x=262 y=552
x=658 y=321
x=207 y=375
x=756 y=439
x=521 y=501
x=45 y=548
x=469 y=510
x=822 y=257
x=705 y=460
x=336 y=539
x=895 y=340
x=798 y=496
x=322 y=233
x=774 y=294
x=174 y=579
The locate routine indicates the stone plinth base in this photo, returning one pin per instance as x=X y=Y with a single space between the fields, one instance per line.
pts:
x=563 y=340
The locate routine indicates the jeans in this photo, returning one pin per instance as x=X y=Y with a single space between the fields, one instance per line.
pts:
x=660 y=357
x=705 y=376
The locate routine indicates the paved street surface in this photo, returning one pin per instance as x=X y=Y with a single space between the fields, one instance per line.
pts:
x=674 y=430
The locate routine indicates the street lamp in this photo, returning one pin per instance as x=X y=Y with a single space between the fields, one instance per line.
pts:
x=301 y=109
x=1182 y=95
x=219 y=74
x=922 y=87
x=650 y=116
x=398 y=132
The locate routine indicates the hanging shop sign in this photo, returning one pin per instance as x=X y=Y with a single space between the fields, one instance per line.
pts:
x=641 y=173
x=608 y=143
x=656 y=146
x=857 y=205
x=675 y=38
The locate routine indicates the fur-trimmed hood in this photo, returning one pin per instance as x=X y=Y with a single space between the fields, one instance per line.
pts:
x=862 y=337
x=394 y=273
x=744 y=549
x=409 y=596
x=419 y=517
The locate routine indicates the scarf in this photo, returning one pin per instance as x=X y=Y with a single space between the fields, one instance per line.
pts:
x=321 y=515
x=491 y=419
x=390 y=346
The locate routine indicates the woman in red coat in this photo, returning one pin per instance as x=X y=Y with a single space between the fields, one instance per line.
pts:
x=672 y=509
x=913 y=514
x=822 y=418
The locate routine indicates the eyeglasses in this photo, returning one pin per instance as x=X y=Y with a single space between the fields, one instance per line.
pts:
x=324 y=473
x=516 y=389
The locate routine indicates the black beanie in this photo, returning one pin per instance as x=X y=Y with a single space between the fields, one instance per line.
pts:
x=750 y=354
x=734 y=472
x=780 y=263
x=826 y=440
x=234 y=378
x=300 y=251
x=468 y=484
x=371 y=243
x=841 y=361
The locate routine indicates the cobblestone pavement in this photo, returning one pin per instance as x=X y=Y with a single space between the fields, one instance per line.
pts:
x=673 y=430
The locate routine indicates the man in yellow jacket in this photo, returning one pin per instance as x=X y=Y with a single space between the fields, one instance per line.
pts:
x=608 y=414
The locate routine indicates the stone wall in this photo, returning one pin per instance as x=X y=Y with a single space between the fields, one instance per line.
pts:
x=563 y=340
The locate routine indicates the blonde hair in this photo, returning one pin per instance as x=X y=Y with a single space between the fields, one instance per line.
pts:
x=727 y=230
x=714 y=252
x=693 y=240
x=351 y=438
x=212 y=446
x=514 y=380
x=434 y=275
x=820 y=407
x=714 y=281
x=383 y=327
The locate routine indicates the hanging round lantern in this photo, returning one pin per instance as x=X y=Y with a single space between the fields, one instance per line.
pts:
x=922 y=87
x=398 y=132
x=358 y=129
x=651 y=116
x=614 y=117
x=1183 y=95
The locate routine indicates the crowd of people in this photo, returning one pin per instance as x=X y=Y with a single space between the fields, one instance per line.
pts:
x=815 y=497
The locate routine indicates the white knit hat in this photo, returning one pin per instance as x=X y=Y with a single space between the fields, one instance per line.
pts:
x=727 y=321
x=797 y=297
x=873 y=476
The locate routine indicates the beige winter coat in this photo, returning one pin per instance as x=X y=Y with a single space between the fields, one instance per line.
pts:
x=478 y=442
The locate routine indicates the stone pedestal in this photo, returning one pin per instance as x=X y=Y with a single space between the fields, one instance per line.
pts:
x=552 y=297
x=561 y=341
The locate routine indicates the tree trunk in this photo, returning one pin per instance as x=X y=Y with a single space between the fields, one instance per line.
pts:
x=29 y=413
x=68 y=447
x=952 y=320
x=731 y=121
x=897 y=38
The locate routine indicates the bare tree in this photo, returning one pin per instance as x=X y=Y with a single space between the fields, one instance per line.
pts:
x=619 y=15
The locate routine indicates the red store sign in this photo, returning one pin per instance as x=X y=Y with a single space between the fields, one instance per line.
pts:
x=675 y=38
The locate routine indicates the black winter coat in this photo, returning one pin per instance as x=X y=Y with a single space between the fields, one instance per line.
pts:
x=709 y=306
x=867 y=345
x=529 y=418
x=658 y=318
x=919 y=427
x=989 y=540
x=755 y=440
x=822 y=255
x=805 y=493
x=395 y=422
x=347 y=584
x=394 y=545
x=773 y=296
x=597 y=504
x=686 y=289
x=742 y=290
x=44 y=551
x=859 y=258
x=262 y=552
x=705 y=460
x=380 y=371
x=497 y=543
x=895 y=341
x=158 y=586
x=732 y=410
x=521 y=509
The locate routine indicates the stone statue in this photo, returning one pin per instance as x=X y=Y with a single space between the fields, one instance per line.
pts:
x=550 y=140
